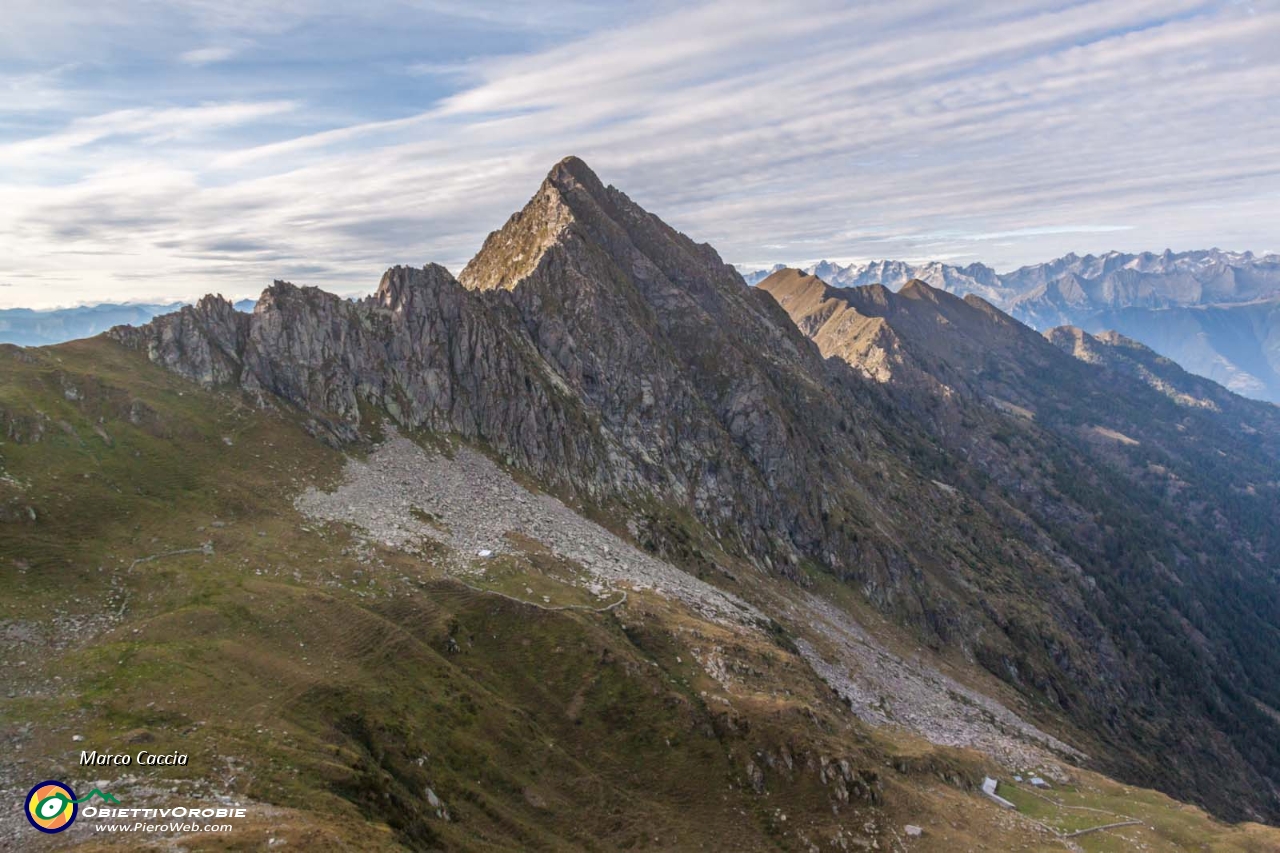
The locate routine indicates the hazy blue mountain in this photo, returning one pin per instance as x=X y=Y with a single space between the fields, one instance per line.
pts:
x=29 y=328
x=1237 y=346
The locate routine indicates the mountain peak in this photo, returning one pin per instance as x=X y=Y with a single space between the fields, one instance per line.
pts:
x=513 y=252
x=891 y=336
x=573 y=172
x=575 y=222
x=400 y=285
x=789 y=282
x=917 y=289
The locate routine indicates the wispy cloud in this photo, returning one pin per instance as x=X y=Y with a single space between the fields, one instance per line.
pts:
x=922 y=128
x=142 y=126
x=1038 y=231
x=209 y=55
x=441 y=69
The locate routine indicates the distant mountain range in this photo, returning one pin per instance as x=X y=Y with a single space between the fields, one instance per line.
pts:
x=1216 y=313
x=31 y=328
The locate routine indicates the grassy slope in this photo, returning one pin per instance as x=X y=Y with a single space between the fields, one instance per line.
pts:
x=316 y=684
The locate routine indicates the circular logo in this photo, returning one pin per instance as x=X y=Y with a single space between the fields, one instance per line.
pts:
x=51 y=806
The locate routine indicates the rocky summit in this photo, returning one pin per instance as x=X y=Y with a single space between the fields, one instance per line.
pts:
x=630 y=520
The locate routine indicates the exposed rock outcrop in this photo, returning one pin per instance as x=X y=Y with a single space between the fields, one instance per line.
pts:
x=589 y=342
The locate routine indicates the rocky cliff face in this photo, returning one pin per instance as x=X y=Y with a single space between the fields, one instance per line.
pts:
x=588 y=341
x=422 y=347
x=958 y=481
x=703 y=381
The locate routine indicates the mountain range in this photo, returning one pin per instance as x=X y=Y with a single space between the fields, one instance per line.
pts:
x=594 y=546
x=1213 y=312
x=28 y=327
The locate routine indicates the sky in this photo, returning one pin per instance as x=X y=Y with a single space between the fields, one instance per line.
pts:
x=160 y=150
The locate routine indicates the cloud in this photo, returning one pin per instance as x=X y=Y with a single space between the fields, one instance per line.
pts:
x=923 y=128
x=34 y=91
x=209 y=55
x=1042 y=231
x=441 y=69
x=143 y=126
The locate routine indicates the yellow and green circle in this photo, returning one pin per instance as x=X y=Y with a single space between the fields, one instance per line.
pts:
x=51 y=806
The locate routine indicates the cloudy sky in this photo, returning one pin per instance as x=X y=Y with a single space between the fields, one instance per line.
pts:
x=153 y=150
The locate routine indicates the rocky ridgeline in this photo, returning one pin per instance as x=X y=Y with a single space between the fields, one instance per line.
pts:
x=589 y=343
x=422 y=347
